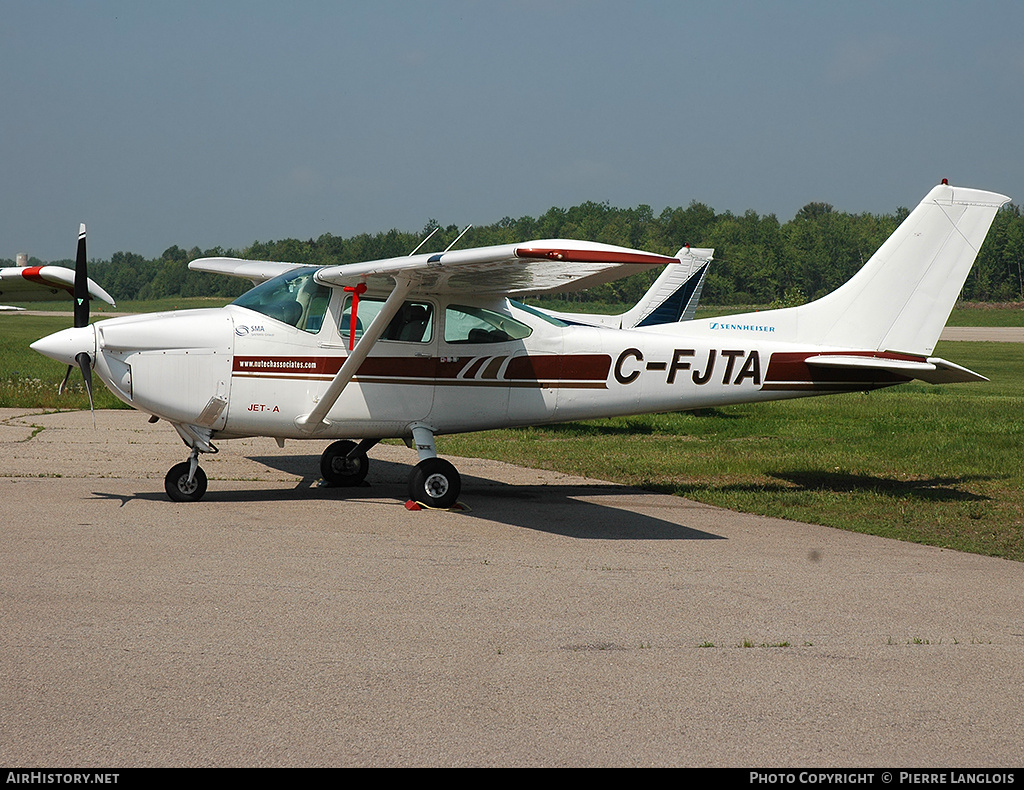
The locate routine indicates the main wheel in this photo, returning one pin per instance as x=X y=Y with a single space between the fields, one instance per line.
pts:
x=338 y=468
x=435 y=482
x=180 y=488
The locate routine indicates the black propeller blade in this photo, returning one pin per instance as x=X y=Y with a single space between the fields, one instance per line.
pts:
x=64 y=384
x=81 y=282
x=81 y=296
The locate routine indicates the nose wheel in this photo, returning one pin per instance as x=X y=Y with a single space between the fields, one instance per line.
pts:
x=185 y=483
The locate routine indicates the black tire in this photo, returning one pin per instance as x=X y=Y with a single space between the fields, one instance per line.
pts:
x=435 y=482
x=178 y=487
x=339 y=469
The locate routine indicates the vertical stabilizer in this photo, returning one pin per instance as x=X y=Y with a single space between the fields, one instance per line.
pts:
x=672 y=298
x=901 y=298
x=674 y=295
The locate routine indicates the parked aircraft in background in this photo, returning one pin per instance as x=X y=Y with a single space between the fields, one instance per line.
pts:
x=673 y=296
x=46 y=283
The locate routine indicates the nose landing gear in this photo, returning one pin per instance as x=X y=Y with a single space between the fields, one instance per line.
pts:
x=186 y=482
x=183 y=484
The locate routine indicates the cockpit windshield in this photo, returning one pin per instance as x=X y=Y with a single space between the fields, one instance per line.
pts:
x=294 y=298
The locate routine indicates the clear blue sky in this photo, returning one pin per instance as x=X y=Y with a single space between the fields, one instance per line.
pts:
x=221 y=123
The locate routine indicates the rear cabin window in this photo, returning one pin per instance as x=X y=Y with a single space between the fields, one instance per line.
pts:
x=463 y=324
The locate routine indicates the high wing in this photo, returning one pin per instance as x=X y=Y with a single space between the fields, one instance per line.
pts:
x=533 y=267
x=255 y=271
x=43 y=284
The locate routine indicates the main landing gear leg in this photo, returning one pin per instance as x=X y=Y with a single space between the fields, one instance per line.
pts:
x=434 y=481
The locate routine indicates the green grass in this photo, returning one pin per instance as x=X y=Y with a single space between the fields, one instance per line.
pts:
x=938 y=465
x=100 y=310
x=30 y=380
x=981 y=314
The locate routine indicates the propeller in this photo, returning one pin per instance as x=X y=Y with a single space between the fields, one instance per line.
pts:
x=81 y=296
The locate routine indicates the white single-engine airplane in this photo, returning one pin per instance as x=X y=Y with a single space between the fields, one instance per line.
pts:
x=431 y=344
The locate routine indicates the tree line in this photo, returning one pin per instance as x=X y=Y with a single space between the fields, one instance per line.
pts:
x=758 y=260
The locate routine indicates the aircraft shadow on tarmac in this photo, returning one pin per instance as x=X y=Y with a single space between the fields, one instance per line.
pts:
x=932 y=489
x=554 y=509
x=567 y=510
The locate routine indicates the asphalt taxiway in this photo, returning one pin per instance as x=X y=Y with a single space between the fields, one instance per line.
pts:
x=556 y=622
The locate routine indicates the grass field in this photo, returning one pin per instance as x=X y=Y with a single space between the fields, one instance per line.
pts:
x=938 y=465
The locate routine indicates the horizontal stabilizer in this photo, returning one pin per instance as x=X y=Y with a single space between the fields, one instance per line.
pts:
x=932 y=370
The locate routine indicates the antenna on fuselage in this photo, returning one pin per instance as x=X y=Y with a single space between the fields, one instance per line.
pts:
x=426 y=239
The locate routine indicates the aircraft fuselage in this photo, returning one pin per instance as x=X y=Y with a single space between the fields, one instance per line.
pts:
x=242 y=373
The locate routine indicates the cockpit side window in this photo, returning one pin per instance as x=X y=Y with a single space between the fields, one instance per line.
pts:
x=293 y=298
x=414 y=322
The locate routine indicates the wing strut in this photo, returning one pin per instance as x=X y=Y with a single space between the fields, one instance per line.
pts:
x=316 y=419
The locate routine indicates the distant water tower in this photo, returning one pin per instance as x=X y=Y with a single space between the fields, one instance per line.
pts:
x=22 y=259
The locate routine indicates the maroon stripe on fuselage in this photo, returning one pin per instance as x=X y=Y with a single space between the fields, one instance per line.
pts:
x=790 y=371
x=571 y=367
x=555 y=368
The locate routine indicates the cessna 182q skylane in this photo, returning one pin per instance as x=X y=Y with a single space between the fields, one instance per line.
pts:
x=431 y=343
